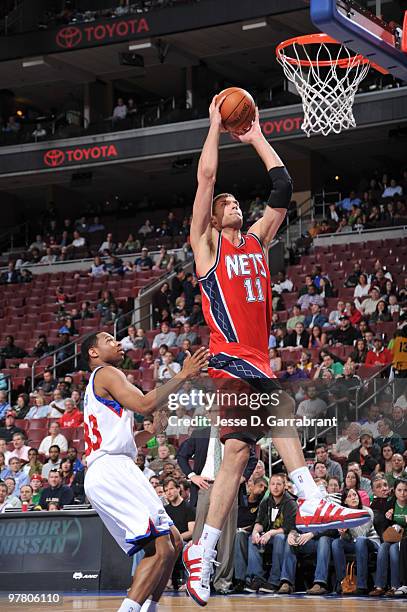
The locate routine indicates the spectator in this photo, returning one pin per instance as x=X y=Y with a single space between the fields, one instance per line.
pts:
x=4 y=469
x=352 y=481
x=311 y=297
x=270 y=532
x=141 y=463
x=39 y=132
x=4 y=498
x=315 y=318
x=98 y=268
x=399 y=421
x=39 y=410
x=66 y=472
x=4 y=404
x=96 y=226
x=296 y=317
x=16 y=472
x=387 y=436
x=335 y=315
x=346 y=444
x=298 y=338
x=177 y=286
x=365 y=483
x=132 y=244
x=334 y=469
x=305 y=362
x=283 y=284
x=187 y=334
x=10 y=428
x=42 y=347
x=347 y=203
x=55 y=438
x=196 y=317
x=181 y=513
x=184 y=352
x=20 y=449
x=359 y=353
x=168 y=369
x=398 y=470
x=72 y=416
x=353 y=279
x=371 y=420
x=108 y=246
x=335 y=367
x=26 y=494
x=49 y=258
x=77 y=465
x=318 y=338
x=165 y=337
x=362 y=288
x=276 y=363
x=11 y=351
x=360 y=540
x=293 y=374
x=56 y=492
x=355 y=316
x=57 y=406
x=146 y=229
x=163 y=454
x=144 y=263
x=345 y=334
x=394 y=515
x=119 y=111
x=368 y=306
x=392 y=190
x=34 y=465
x=378 y=356
x=367 y=455
x=11 y=276
x=53 y=462
x=78 y=241
x=48 y=383
x=313 y=406
x=164 y=261
x=12 y=498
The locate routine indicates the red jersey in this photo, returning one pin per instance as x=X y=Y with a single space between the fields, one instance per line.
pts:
x=71 y=419
x=236 y=296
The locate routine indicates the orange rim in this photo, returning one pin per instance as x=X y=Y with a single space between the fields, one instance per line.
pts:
x=310 y=39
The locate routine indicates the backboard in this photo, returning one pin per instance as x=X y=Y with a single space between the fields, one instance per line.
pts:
x=360 y=30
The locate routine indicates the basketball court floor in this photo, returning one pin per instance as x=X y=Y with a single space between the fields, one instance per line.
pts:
x=181 y=603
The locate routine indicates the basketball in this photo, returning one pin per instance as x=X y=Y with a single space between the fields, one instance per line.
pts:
x=237 y=110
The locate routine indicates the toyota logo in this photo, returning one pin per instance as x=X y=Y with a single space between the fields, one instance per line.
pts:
x=68 y=37
x=54 y=158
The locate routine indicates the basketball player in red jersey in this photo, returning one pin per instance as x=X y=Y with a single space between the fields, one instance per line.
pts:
x=236 y=296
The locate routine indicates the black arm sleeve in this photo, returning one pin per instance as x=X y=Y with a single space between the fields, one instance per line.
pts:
x=282 y=188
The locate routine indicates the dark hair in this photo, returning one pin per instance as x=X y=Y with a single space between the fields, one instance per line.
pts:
x=89 y=342
x=54 y=471
x=319 y=463
x=334 y=478
x=357 y=478
x=167 y=481
x=186 y=484
x=324 y=446
x=54 y=446
x=345 y=495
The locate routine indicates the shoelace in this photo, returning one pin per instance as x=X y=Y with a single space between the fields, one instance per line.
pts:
x=208 y=569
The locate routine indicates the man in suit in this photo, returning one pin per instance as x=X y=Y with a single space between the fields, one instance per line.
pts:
x=205 y=448
x=315 y=318
x=11 y=275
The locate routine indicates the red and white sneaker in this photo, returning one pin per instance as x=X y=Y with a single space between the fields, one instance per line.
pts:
x=318 y=514
x=199 y=570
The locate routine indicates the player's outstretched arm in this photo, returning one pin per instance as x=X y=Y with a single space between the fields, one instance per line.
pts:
x=279 y=200
x=207 y=169
x=115 y=384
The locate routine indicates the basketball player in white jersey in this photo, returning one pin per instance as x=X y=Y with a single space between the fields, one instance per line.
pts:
x=119 y=492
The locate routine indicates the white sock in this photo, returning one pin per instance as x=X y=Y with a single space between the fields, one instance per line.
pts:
x=209 y=538
x=149 y=606
x=304 y=483
x=128 y=605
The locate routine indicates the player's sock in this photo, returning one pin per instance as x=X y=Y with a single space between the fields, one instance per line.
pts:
x=149 y=606
x=128 y=605
x=304 y=483
x=209 y=538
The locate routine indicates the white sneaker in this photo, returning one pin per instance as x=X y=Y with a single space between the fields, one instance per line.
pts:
x=319 y=514
x=199 y=570
x=401 y=591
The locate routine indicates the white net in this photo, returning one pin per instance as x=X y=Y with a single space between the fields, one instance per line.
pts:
x=327 y=76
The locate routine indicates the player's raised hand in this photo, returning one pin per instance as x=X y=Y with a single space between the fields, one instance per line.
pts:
x=193 y=364
x=215 y=117
x=254 y=133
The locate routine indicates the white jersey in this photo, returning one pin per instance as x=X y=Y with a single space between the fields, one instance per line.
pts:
x=108 y=426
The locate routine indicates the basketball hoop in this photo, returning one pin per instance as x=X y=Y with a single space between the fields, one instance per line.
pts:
x=327 y=76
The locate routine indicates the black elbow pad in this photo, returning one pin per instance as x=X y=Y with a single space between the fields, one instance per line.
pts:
x=282 y=190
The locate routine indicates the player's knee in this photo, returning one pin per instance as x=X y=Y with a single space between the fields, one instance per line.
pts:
x=164 y=550
x=283 y=407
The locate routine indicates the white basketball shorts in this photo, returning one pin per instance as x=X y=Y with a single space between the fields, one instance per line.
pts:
x=126 y=502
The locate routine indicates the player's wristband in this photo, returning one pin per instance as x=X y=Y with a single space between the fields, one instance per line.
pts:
x=282 y=190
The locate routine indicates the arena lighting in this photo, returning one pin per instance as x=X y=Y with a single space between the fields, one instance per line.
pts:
x=35 y=61
x=254 y=26
x=141 y=45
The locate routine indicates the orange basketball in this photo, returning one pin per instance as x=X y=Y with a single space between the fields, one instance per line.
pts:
x=237 y=110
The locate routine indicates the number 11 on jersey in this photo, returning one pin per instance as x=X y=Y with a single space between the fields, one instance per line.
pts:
x=253 y=294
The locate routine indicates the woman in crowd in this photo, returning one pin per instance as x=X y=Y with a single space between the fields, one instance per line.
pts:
x=396 y=516
x=317 y=338
x=381 y=313
x=106 y=300
x=161 y=301
x=352 y=481
x=358 y=355
x=362 y=288
x=305 y=362
x=4 y=470
x=66 y=471
x=385 y=464
x=358 y=540
x=22 y=406
x=275 y=360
